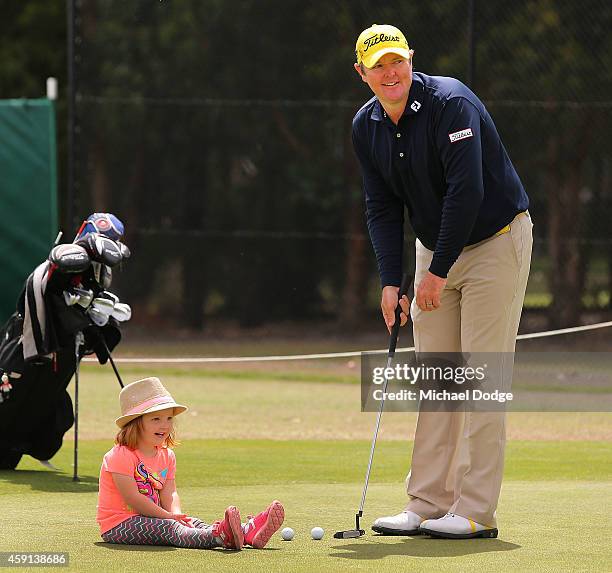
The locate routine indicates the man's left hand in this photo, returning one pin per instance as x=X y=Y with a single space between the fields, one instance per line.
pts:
x=429 y=292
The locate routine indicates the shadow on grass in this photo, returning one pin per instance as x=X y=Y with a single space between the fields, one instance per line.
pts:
x=49 y=481
x=121 y=547
x=422 y=547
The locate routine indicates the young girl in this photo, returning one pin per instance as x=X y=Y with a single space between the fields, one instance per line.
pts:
x=137 y=501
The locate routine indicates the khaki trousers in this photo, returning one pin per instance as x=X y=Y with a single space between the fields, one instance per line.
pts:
x=458 y=457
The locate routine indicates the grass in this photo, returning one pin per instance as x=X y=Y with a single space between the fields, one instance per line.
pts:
x=277 y=403
x=328 y=462
x=551 y=510
x=294 y=432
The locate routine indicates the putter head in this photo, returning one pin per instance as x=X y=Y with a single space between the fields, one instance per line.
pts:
x=349 y=534
x=352 y=533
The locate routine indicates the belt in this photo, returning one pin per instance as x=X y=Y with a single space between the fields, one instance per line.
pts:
x=507 y=227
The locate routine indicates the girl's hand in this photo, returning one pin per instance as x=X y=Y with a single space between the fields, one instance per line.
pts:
x=182 y=518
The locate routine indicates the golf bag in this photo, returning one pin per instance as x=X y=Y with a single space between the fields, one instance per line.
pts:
x=62 y=298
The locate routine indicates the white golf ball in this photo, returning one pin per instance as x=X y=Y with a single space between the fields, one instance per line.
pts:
x=287 y=534
x=317 y=532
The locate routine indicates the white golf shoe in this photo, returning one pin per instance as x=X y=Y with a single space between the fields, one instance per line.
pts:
x=405 y=523
x=453 y=526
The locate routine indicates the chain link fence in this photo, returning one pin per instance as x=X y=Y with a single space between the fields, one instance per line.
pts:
x=220 y=134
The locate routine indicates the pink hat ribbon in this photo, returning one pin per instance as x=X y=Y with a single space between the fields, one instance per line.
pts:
x=139 y=409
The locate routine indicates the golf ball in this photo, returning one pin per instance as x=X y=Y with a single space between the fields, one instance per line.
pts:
x=287 y=534
x=317 y=532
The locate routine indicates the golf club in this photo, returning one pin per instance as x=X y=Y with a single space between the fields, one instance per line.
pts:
x=98 y=317
x=70 y=259
x=100 y=310
x=125 y=252
x=103 y=304
x=122 y=312
x=101 y=249
x=85 y=296
x=358 y=532
x=78 y=342
x=110 y=357
x=70 y=298
x=109 y=295
x=106 y=276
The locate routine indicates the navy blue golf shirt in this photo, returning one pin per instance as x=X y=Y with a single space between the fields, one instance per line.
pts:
x=445 y=162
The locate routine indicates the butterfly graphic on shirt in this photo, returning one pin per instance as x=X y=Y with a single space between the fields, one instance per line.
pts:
x=149 y=483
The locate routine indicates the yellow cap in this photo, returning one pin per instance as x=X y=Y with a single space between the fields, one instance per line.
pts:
x=377 y=40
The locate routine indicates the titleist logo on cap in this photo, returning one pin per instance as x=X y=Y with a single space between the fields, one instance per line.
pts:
x=377 y=39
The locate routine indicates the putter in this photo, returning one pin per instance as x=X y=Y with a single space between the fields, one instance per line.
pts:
x=358 y=532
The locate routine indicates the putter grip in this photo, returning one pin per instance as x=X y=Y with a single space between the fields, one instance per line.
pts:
x=406 y=281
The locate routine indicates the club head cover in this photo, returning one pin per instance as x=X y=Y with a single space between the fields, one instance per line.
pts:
x=105 y=224
x=106 y=276
x=70 y=258
x=125 y=252
x=101 y=249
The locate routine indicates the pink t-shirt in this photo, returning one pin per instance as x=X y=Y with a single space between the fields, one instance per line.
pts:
x=149 y=473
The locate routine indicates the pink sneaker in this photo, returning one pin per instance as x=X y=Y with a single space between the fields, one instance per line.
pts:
x=259 y=529
x=230 y=529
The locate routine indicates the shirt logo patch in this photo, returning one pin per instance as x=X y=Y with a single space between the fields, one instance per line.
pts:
x=463 y=134
x=416 y=106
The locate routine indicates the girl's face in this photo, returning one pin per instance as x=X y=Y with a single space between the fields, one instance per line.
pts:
x=156 y=427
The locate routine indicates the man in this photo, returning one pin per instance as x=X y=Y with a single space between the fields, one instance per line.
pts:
x=428 y=145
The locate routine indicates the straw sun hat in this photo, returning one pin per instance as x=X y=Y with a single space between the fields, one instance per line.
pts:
x=145 y=396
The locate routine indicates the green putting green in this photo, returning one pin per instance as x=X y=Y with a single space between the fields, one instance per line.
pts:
x=553 y=514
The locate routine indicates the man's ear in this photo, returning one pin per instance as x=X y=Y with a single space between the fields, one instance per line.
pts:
x=361 y=74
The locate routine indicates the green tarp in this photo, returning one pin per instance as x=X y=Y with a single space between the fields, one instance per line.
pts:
x=28 y=193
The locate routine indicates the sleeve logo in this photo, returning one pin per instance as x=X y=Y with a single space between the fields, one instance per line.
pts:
x=463 y=134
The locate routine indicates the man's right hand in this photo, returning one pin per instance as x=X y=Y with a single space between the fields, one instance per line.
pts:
x=388 y=304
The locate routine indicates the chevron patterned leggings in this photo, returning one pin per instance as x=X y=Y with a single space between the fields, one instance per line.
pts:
x=141 y=530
